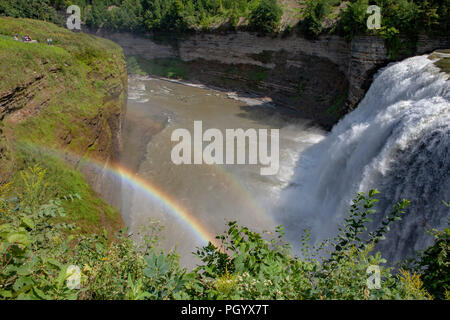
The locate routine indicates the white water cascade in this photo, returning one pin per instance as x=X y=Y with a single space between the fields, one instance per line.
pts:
x=398 y=141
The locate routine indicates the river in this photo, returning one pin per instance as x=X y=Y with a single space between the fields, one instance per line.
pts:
x=397 y=141
x=195 y=202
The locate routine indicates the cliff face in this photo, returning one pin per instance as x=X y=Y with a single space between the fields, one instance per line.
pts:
x=369 y=53
x=65 y=101
x=322 y=78
x=309 y=76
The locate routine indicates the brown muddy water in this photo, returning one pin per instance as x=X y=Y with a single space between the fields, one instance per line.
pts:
x=194 y=202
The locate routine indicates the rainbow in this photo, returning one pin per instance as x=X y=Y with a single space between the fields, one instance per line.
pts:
x=240 y=192
x=156 y=193
x=144 y=186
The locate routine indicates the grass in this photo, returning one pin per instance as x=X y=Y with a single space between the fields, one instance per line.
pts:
x=173 y=68
x=91 y=214
x=444 y=62
x=71 y=91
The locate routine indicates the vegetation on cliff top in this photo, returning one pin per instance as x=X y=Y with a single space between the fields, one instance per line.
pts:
x=401 y=20
x=59 y=98
x=312 y=17
x=442 y=59
x=50 y=219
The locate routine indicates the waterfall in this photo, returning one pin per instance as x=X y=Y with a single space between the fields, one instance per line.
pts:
x=398 y=141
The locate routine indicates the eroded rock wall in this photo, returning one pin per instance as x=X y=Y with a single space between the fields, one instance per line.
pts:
x=322 y=79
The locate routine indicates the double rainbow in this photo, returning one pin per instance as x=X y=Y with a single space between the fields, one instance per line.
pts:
x=156 y=193
x=143 y=185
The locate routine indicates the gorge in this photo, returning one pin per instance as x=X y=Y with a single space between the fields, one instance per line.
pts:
x=100 y=200
x=334 y=166
x=239 y=80
x=322 y=79
x=387 y=142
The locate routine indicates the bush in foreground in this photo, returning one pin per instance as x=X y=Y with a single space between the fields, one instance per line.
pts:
x=37 y=249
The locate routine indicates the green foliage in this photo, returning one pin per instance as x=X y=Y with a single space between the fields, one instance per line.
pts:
x=151 y=15
x=33 y=187
x=36 y=252
x=31 y=246
x=353 y=18
x=250 y=267
x=313 y=16
x=401 y=21
x=355 y=225
x=266 y=16
x=41 y=10
x=126 y=17
x=408 y=17
x=133 y=66
x=434 y=264
x=119 y=270
x=164 y=67
x=76 y=73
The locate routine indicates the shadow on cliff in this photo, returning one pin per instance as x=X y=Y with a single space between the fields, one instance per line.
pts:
x=275 y=115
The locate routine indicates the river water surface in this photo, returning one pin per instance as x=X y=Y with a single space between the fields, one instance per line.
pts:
x=397 y=141
x=202 y=197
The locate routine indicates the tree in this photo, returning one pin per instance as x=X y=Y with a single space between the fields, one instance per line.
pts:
x=266 y=17
x=315 y=13
x=174 y=19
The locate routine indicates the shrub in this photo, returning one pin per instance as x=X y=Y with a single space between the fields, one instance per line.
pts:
x=31 y=246
x=353 y=19
x=266 y=16
x=41 y=10
x=434 y=264
x=251 y=267
x=313 y=16
x=37 y=249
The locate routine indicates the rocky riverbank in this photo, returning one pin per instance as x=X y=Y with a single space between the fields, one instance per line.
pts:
x=323 y=79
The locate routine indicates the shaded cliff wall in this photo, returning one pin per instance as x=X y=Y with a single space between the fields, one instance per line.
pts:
x=369 y=53
x=322 y=79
